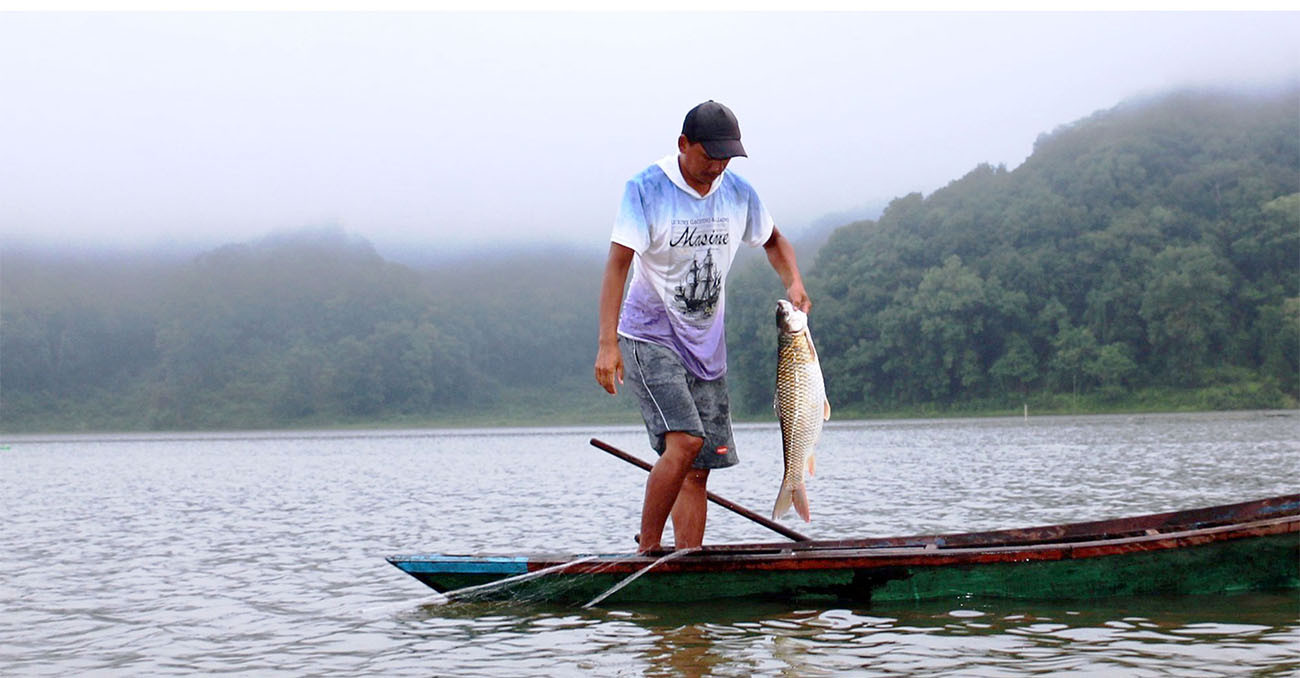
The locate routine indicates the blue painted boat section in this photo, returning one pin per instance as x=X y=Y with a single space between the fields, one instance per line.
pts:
x=507 y=565
x=1285 y=509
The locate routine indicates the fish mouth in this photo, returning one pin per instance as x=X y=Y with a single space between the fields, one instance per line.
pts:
x=789 y=318
x=783 y=309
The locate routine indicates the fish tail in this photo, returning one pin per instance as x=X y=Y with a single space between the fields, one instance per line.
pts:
x=793 y=493
x=784 y=500
x=800 y=498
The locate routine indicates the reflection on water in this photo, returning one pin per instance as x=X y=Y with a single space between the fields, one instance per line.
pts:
x=1161 y=636
x=262 y=554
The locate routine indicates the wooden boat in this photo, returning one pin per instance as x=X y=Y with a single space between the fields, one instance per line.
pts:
x=1253 y=545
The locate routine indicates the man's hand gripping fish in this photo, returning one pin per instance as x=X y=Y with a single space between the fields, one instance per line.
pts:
x=801 y=406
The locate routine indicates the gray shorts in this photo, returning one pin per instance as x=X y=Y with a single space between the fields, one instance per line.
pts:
x=673 y=399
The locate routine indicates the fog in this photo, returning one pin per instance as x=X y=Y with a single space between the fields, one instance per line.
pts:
x=444 y=133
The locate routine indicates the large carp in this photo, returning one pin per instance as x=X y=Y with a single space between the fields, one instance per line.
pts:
x=801 y=406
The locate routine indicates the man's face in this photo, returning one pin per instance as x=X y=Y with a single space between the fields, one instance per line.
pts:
x=697 y=166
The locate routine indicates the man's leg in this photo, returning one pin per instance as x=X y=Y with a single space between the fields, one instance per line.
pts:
x=664 y=484
x=690 y=510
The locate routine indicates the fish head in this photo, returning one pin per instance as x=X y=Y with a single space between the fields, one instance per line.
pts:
x=790 y=319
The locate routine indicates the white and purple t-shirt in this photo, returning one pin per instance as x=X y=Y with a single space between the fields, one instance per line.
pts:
x=684 y=244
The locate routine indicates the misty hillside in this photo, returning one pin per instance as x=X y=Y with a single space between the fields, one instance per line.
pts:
x=1145 y=256
x=312 y=328
x=1153 y=245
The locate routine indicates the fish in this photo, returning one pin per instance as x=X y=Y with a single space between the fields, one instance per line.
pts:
x=801 y=406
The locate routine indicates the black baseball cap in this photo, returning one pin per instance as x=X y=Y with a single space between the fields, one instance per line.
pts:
x=714 y=126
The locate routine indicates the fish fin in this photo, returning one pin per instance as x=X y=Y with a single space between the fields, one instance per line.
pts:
x=800 y=499
x=784 y=499
x=792 y=494
x=826 y=410
x=811 y=463
x=811 y=349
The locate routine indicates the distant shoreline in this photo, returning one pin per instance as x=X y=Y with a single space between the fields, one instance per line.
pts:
x=470 y=423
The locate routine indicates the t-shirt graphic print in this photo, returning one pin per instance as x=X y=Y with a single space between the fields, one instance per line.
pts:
x=697 y=296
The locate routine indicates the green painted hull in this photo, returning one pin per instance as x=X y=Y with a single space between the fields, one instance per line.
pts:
x=1201 y=553
x=1266 y=563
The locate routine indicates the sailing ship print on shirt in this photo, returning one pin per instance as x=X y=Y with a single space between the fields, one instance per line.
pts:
x=697 y=296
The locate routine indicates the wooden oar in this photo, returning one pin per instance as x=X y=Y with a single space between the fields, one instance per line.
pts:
x=724 y=503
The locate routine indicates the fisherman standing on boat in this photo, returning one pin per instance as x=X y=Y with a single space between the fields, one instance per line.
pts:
x=679 y=227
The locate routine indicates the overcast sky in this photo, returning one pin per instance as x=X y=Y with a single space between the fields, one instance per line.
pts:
x=450 y=130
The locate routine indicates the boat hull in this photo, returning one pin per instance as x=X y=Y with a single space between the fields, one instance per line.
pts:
x=1185 y=558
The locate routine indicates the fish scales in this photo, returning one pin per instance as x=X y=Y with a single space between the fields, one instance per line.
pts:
x=801 y=407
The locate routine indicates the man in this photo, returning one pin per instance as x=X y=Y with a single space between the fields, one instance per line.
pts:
x=679 y=226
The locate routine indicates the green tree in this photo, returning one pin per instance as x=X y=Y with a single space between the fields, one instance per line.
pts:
x=1111 y=367
x=1279 y=330
x=1017 y=368
x=949 y=311
x=1072 y=350
x=1184 y=307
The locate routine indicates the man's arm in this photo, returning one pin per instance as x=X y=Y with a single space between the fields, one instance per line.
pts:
x=780 y=253
x=609 y=360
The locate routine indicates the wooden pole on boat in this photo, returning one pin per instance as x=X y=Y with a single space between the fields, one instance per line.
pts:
x=724 y=503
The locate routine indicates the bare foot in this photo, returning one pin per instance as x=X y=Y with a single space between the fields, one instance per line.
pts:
x=640 y=551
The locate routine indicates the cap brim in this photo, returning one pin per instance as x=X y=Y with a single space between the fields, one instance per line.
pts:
x=722 y=149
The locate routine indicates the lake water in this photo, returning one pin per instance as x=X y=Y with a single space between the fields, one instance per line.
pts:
x=263 y=553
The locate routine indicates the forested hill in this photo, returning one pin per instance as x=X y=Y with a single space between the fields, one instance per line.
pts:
x=1149 y=247
x=1145 y=257
x=312 y=328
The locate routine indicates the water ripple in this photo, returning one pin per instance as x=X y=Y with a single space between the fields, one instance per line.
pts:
x=262 y=554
